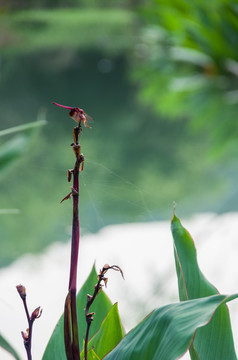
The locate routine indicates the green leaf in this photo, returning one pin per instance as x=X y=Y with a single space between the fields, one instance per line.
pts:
x=191 y=39
x=55 y=348
x=191 y=281
x=109 y=334
x=214 y=341
x=168 y=332
x=5 y=345
x=23 y=127
x=92 y=355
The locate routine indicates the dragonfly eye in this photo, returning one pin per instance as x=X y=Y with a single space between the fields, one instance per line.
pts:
x=72 y=112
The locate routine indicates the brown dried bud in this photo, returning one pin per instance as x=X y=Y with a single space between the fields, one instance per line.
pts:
x=36 y=313
x=81 y=167
x=69 y=174
x=81 y=158
x=105 y=281
x=25 y=335
x=89 y=297
x=22 y=291
x=89 y=316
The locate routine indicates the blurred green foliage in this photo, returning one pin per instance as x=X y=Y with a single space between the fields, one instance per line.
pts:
x=188 y=64
x=14 y=148
x=137 y=162
x=7 y=5
x=49 y=29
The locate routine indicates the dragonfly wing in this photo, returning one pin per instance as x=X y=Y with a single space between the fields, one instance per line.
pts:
x=89 y=118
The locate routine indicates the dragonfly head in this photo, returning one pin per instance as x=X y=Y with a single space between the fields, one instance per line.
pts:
x=77 y=114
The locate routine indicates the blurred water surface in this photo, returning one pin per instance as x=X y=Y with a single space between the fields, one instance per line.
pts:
x=136 y=164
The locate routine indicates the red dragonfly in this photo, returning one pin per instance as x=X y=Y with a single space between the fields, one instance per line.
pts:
x=77 y=114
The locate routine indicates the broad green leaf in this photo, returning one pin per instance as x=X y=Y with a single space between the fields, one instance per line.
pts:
x=5 y=345
x=191 y=281
x=168 y=332
x=109 y=334
x=92 y=355
x=55 y=348
x=214 y=341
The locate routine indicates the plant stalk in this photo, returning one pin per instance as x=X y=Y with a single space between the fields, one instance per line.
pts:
x=91 y=298
x=71 y=329
x=27 y=336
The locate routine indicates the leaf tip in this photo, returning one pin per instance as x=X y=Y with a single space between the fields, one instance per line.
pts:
x=174 y=217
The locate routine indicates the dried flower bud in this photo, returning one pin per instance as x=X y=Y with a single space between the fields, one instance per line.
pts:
x=81 y=158
x=89 y=297
x=89 y=316
x=25 y=335
x=105 y=281
x=22 y=291
x=69 y=174
x=36 y=313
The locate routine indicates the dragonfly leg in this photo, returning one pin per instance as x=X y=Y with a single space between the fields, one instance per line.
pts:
x=85 y=124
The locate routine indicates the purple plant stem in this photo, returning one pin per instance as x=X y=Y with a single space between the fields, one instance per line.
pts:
x=74 y=262
x=27 y=336
x=75 y=233
x=30 y=323
x=75 y=250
